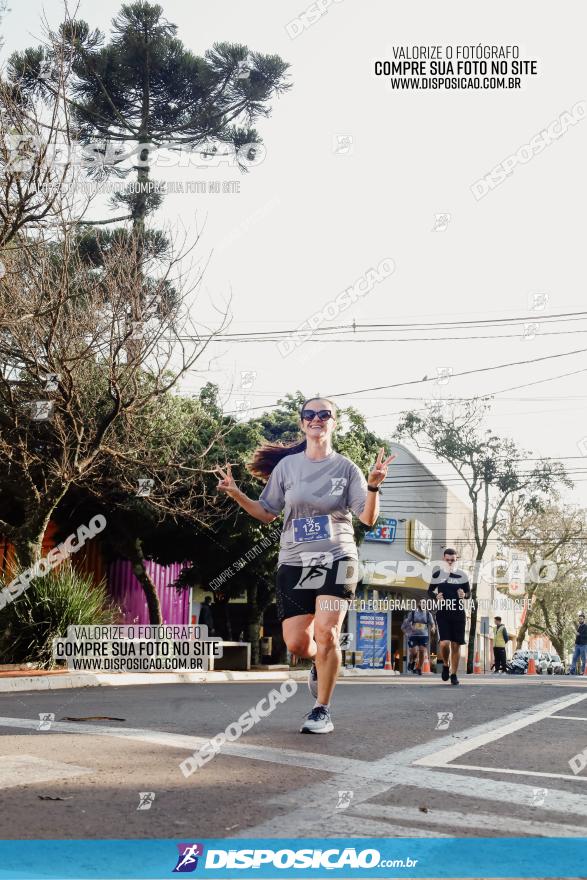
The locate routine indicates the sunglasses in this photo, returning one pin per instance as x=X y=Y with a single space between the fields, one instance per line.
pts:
x=323 y=414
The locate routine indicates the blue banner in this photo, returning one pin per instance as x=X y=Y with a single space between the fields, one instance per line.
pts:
x=372 y=639
x=276 y=857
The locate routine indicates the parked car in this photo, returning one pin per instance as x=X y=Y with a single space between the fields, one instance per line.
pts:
x=541 y=659
x=556 y=664
x=543 y=662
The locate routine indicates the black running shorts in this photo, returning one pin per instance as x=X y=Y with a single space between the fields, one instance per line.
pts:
x=299 y=587
x=451 y=627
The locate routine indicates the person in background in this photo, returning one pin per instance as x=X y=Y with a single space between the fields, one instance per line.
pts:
x=580 y=652
x=421 y=624
x=450 y=588
x=500 y=640
x=412 y=648
x=206 y=616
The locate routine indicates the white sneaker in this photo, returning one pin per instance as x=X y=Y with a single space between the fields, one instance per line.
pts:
x=318 y=721
x=313 y=681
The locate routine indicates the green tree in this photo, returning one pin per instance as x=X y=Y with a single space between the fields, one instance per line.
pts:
x=493 y=470
x=555 y=615
x=143 y=90
x=154 y=502
x=65 y=344
x=552 y=538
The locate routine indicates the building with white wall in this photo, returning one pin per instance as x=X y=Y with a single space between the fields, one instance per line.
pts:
x=419 y=517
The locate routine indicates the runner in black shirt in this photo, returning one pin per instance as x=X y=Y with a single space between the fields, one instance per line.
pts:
x=450 y=588
x=580 y=652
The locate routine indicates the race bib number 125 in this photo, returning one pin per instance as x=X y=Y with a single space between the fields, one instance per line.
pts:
x=311 y=528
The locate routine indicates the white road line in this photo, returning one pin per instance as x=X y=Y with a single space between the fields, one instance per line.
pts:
x=456 y=821
x=517 y=772
x=291 y=757
x=556 y=800
x=319 y=815
x=304 y=807
x=379 y=769
x=18 y=770
x=516 y=722
x=320 y=799
x=346 y=826
x=414 y=753
x=569 y=717
x=366 y=778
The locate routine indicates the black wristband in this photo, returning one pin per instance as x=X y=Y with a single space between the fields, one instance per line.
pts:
x=373 y=488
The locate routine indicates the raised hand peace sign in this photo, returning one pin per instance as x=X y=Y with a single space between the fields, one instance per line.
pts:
x=226 y=480
x=379 y=472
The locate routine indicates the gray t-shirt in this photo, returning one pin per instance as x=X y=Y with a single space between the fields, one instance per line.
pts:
x=301 y=488
x=418 y=622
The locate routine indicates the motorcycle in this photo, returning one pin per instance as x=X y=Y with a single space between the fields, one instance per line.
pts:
x=517 y=666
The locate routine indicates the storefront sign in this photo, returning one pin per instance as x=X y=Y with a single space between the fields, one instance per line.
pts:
x=419 y=539
x=384 y=532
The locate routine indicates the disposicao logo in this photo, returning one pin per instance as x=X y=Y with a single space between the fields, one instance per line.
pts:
x=187 y=860
x=285 y=858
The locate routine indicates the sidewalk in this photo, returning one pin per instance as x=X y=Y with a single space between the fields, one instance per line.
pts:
x=43 y=680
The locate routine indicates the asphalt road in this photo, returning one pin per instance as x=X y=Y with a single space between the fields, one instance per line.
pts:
x=393 y=767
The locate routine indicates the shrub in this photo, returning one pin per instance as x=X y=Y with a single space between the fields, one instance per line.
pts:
x=64 y=597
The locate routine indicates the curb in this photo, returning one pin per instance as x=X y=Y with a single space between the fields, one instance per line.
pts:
x=84 y=680
x=54 y=681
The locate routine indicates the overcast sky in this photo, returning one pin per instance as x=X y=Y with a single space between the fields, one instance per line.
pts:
x=312 y=218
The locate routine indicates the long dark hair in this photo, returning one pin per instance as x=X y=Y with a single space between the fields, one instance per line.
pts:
x=266 y=457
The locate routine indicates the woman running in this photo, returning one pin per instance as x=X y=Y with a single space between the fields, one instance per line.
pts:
x=317 y=573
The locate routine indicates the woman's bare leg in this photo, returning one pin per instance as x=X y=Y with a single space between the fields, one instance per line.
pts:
x=298 y=635
x=330 y=613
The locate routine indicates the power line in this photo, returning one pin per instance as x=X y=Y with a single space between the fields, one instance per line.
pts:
x=519 y=458
x=493 y=393
x=325 y=340
x=541 y=381
x=452 y=376
x=272 y=335
x=463 y=373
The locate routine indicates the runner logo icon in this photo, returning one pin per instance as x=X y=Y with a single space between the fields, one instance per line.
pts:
x=338 y=485
x=188 y=857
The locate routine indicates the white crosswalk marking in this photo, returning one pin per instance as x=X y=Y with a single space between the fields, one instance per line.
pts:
x=425 y=766
x=558 y=801
x=292 y=757
x=401 y=768
x=28 y=770
x=347 y=825
x=508 y=725
x=511 y=771
x=456 y=822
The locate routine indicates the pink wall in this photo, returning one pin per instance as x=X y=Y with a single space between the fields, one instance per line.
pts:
x=127 y=592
